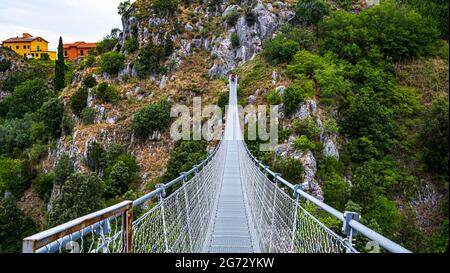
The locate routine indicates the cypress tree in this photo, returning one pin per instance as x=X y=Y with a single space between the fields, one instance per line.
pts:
x=60 y=67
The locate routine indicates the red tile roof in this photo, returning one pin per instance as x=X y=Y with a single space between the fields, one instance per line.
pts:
x=80 y=45
x=22 y=40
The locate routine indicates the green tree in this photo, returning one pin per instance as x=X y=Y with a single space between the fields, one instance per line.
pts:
x=14 y=226
x=60 y=67
x=63 y=169
x=80 y=195
x=151 y=118
x=79 y=101
x=235 y=39
x=310 y=12
x=27 y=97
x=112 y=62
x=95 y=156
x=43 y=185
x=11 y=176
x=433 y=137
x=51 y=114
x=119 y=180
x=296 y=94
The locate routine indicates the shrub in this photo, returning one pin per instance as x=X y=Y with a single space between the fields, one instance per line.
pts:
x=331 y=81
x=89 y=81
x=131 y=45
x=107 y=93
x=11 y=176
x=27 y=97
x=151 y=59
x=151 y=118
x=433 y=137
x=5 y=65
x=63 y=169
x=273 y=98
x=165 y=7
x=310 y=12
x=305 y=63
x=87 y=115
x=95 y=156
x=290 y=169
x=79 y=101
x=37 y=132
x=303 y=143
x=80 y=195
x=232 y=17
x=51 y=114
x=330 y=127
x=279 y=50
x=105 y=45
x=86 y=62
x=118 y=180
x=235 y=39
x=15 y=135
x=45 y=57
x=43 y=185
x=111 y=62
x=336 y=191
x=296 y=94
x=307 y=127
x=67 y=125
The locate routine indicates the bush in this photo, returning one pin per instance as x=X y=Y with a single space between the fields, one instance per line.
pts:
x=273 y=98
x=118 y=181
x=310 y=12
x=290 y=169
x=232 y=17
x=51 y=114
x=280 y=50
x=107 y=93
x=86 y=62
x=303 y=143
x=89 y=81
x=235 y=39
x=131 y=45
x=112 y=62
x=5 y=65
x=296 y=94
x=63 y=169
x=11 y=176
x=27 y=97
x=87 y=116
x=392 y=30
x=183 y=157
x=307 y=127
x=95 y=157
x=105 y=45
x=433 y=137
x=43 y=185
x=305 y=63
x=165 y=7
x=67 y=125
x=79 y=101
x=15 y=135
x=331 y=81
x=80 y=195
x=151 y=118
x=151 y=59
x=336 y=191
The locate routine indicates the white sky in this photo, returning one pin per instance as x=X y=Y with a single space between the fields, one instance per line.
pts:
x=74 y=20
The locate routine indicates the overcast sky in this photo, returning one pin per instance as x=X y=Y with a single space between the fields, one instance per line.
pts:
x=74 y=20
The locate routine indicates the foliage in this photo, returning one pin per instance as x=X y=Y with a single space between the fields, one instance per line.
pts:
x=296 y=94
x=60 y=67
x=111 y=62
x=15 y=134
x=335 y=191
x=305 y=63
x=290 y=169
x=388 y=29
x=310 y=12
x=118 y=181
x=151 y=118
x=89 y=81
x=11 y=176
x=80 y=195
x=79 y=101
x=279 y=49
x=307 y=127
x=183 y=157
x=5 y=65
x=165 y=7
x=95 y=156
x=106 y=45
x=232 y=17
x=43 y=185
x=274 y=98
x=63 y=169
x=131 y=45
x=67 y=125
x=433 y=136
x=151 y=59
x=123 y=7
x=51 y=114
x=235 y=39
x=14 y=226
x=303 y=143
x=27 y=97
x=87 y=115
x=107 y=93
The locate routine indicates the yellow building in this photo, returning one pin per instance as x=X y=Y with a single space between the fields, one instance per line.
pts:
x=29 y=46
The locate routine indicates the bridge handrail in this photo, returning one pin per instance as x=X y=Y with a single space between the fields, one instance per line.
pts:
x=384 y=242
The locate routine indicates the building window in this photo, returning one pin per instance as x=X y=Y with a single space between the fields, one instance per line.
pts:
x=24 y=47
x=81 y=52
x=65 y=53
x=17 y=47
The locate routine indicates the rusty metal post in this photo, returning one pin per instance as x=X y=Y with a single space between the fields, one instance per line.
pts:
x=127 y=230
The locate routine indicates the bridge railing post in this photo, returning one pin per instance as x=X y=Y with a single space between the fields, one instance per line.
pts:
x=127 y=227
x=188 y=210
x=296 y=208
x=348 y=231
x=275 y=180
x=163 y=217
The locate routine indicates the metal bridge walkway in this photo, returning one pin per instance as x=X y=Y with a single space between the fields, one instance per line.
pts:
x=230 y=227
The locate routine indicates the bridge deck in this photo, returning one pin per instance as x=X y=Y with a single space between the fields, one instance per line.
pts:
x=230 y=231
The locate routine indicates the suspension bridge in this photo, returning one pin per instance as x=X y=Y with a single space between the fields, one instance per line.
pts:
x=229 y=203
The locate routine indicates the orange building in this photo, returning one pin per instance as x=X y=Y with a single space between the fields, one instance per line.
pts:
x=77 y=50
